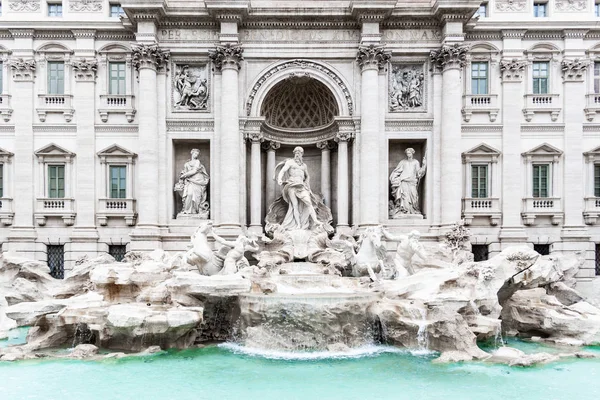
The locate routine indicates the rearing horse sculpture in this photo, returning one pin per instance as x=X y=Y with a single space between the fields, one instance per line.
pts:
x=201 y=255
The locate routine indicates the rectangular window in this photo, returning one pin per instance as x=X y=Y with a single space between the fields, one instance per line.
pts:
x=117 y=251
x=1 y=81
x=597 y=9
x=116 y=78
x=480 y=252
x=56 y=181
x=1 y=180
x=482 y=11
x=56 y=77
x=540 y=180
x=540 y=9
x=479 y=177
x=479 y=78
x=540 y=77
x=596 y=180
x=116 y=10
x=597 y=259
x=55 y=9
x=56 y=260
x=597 y=77
x=543 y=249
x=117 y=181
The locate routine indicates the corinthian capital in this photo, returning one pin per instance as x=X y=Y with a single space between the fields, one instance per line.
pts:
x=450 y=56
x=573 y=70
x=23 y=70
x=149 y=56
x=227 y=56
x=372 y=57
x=512 y=70
x=84 y=69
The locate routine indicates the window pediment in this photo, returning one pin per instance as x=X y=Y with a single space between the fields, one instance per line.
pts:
x=5 y=155
x=481 y=152
x=590 y=156
x=543 y=152
x=116 y=153
x=54 y=152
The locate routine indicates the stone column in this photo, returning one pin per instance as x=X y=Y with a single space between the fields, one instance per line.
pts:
x=255 y=139
x=227 y=59
x=271 y=148
x=451 y=58
x=370 y=58
x=84 y=235
x=343 y=187
x=22 y=234
x=147 y=59
x=325 y=147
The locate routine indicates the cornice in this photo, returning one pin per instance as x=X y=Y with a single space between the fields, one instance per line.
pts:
x=411 y=23
x=481 y=128
x=5 y=35
x=22 y=33
x=54 y=35
x=7 y=129
x=184 y=23
x=115 y=35
x=483 y=35
x=190 y=125
x=116 y=128
x=543 y=128
x=84 y=33
x=591 y=128
x=544 y=35
x=394 y=125
x=513 y=33
x=60 y=128
x=322 y=24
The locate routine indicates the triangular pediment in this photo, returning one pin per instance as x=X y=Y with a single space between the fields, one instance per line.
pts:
x=482 y=150
x=593 y=152
x=543 y=150
x=53 y=150
x=116 y=151
x=5 y=153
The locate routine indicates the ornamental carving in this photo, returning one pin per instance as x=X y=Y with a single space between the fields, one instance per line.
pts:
x=190 y=88
x=149 y=56
x=372 y=56
x=511 y=5
x=24 y=5
x=512 y=70
x=450 y=56
x=303 y=64
x=570 y=5
x=23 y=69
x=85 y=5
x=85 y=69
x=227 y=56
x=406 y=88
x=573 y=70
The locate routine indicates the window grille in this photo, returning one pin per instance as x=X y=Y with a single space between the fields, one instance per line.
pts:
x=117 y=251
x=56 y=260
x=480 y=252
x=543 y=249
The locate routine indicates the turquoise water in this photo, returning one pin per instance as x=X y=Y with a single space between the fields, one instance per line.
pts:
x=226 y=373
x=15 y=336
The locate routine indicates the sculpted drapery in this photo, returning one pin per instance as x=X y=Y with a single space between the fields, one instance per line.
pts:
x=192 y=185
x=404 y=181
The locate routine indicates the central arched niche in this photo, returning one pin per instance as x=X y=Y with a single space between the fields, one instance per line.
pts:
x=299 y=103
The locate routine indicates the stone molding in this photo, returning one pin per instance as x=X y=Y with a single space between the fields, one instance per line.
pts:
x=574 y=70
x=254 y=136
x=514 y=33
x=85 y=69
x=570 y=5
x=482 y=128
x=22 y=33
x=512 y=70
x=85 y=5
x=149 y=56
x=409 y=125
x=24 y=5
x=227 y=56
x=271 y=145
x=192 y=125
x=452 y=56
x=372 y=57
x=325 y=145
x=84 y=33
x=23 y=69
x=511 y=5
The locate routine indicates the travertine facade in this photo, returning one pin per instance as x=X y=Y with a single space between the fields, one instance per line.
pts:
x=100 y=114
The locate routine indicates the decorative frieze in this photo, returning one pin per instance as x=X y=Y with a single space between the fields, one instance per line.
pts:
x=149 y=56
x=372 y=56
x=450 y=56
x=85 y=69
x=199 y=125
x=511 y=5
x=512 y=70
x=85 y=5
x=190 y=87
x=570 y=5
x=24 y=5
x=407 y=88
x=574 y=70
x=227 y=56
x=23 y=70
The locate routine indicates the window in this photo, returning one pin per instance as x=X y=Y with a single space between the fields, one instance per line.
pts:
x=118 y=181
x=542 y=249
x=540 y=180
x=482 y=11
x=596 y=180
x=479 y=78
x=597 y=9
x=56 y=181
x=116 y=10
x=480 y=252
x=597 y=77
x=540 y=9
x=1 y=180
x=540 y=77
x=479 y=178
x=56 y=77
x=1 y=81
x=597 y=259
x=117 y=251
x=0 y=9
x=116 y=78
x=56 y=260
x=55 y=9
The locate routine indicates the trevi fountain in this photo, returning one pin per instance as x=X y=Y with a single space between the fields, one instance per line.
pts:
x=300 y=310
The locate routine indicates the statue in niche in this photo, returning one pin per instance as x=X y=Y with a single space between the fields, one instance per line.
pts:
x=192 y=186
x=191 y=90
x=405 y=179
x=298 y=208
x=406 y=88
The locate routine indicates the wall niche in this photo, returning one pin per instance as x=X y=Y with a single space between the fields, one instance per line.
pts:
x=406 y=179
x=198 y=206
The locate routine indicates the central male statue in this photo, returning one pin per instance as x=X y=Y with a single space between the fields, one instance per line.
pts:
x=298 y=207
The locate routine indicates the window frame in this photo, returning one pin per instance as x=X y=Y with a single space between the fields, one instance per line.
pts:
x=482 y=154
x=544 y=154
x=50 y=5
x=53 y=154
x=121 y=180
x=60 y=89
x=115 y=53
x=49 y=187
x=536 y=178
x=6 y=173
x=116 y=155
x=110 y=9
x=536 y=5
x=476 y=191
x=53 y=52
x=118 y=79
x=540 y=78
x=486 y=79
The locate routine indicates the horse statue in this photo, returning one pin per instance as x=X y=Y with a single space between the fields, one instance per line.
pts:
x=201 y=255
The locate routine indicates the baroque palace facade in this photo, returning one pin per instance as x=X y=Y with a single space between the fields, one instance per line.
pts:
x=411 y=114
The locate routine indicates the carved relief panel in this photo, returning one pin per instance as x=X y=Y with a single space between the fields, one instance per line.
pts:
x=190 y=87
x=406 y=89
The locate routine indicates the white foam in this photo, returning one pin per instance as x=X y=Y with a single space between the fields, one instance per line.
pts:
x=359 y=352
